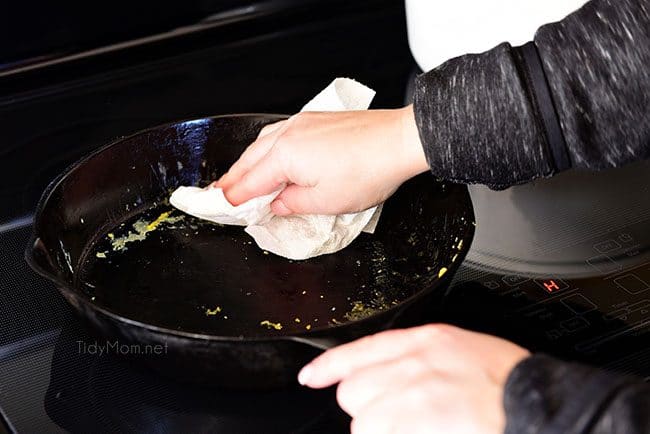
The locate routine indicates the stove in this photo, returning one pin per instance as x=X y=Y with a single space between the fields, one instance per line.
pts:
x=560 y=266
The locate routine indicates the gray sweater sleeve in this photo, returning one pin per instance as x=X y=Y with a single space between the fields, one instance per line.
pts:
x=547 y=396
x=482 y=121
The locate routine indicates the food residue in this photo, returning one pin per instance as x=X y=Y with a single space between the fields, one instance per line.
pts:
x=360 y=311
x=214 y=311
x=297 y=320
x=154 y=224
x=101 y=255
x=442 y=272
x=270 y=325
x=142 y=229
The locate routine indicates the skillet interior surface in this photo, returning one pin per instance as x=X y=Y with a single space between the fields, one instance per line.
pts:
x=106 y=232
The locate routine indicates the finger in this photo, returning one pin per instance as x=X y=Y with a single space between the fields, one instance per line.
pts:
x=374 y=381
x=295 y=199
x=337 y=363
x=405 y=409
x=268 y=129
x=263 y=178
x=250 y=157
x=379 y=417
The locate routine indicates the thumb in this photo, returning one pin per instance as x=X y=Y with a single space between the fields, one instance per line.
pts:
x=296 y=200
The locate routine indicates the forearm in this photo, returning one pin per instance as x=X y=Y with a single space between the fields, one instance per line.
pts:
x=544 y=395
x=481 y=119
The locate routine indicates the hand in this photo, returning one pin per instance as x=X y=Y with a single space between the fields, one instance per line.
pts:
x=429 y=379
x=331 y=162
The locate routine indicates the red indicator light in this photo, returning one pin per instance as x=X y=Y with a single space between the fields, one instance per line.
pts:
x=551 y=286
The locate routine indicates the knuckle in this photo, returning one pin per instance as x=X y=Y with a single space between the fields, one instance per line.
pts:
x=298 y=118
x=266 y=128
x=438 y=331
x=417 y=363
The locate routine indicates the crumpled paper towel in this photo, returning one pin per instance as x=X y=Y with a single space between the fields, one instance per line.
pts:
x=296 y=236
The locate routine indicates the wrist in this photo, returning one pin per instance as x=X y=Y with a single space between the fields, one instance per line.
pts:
x=415 y=159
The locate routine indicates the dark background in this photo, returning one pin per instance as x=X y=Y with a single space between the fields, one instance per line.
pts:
x=269 y=56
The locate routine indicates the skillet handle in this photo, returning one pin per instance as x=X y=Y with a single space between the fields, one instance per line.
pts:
x=318 y=343
x=37 y=258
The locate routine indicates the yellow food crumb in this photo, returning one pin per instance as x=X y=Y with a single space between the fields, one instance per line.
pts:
x=460 y=244
x=361 y=311
x=100 y=255
x=304 y=292
x=214 y=311
x=265 y=252
x=111 y=236
x=154 y=224
x=442 y=272
x=297 y=319
x=269 y=324
x=308 y=326
x=142 y=229
x=454 y=258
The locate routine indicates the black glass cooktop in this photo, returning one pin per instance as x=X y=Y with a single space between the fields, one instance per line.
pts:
x=267 y=59
x=53 y=378
x=560 y=266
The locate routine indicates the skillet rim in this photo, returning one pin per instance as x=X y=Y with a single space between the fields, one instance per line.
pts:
x=315 y=337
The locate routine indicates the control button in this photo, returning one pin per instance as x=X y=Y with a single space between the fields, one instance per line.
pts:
x=579 y=304
x=625 y=238
x=552 y=286
x=514 y=280
x=632 y=284
x=632 y=313
x=606 y=246
x=548 y=312
x=575 y=324
x=604 y=264
x=491 y=284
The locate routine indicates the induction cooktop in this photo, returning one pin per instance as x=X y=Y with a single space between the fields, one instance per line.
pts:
x=560 y=266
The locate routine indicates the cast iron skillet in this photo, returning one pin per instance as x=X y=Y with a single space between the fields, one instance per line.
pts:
x=206 y=294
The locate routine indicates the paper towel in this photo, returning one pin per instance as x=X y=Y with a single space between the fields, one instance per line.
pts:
x=296 y=236
x=209 y=203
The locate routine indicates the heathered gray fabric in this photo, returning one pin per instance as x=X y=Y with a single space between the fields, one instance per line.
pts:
x=478 y=123
x=544 y=395
x=598 y=64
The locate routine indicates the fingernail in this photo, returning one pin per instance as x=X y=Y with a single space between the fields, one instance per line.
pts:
x=221 y=178
x=305 y=375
